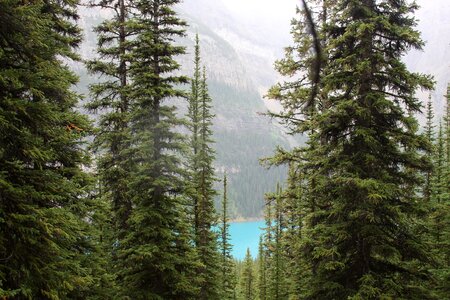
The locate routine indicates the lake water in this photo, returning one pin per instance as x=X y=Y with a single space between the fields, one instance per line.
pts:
x=245 y=235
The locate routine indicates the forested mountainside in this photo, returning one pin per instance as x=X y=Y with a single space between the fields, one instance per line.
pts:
x=259 y=43
x=239 y=54
x=242 y=133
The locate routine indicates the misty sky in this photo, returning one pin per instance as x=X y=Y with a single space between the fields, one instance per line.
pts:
x=271 y=9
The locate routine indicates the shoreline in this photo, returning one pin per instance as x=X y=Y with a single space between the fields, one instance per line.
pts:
x=246 y=220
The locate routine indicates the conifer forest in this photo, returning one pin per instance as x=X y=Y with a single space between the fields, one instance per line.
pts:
x=121 y=181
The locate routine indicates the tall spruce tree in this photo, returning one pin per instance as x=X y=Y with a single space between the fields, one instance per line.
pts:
x=159 y=260
x=446 y=175
x=440 y=216
x=359 y=226
x=228 y=278
x=275 y=258
x=444 y=246
x=112 y=101
x=194 y=123
x=291 y=237
x=44 y=238
x=262 y=271
x=202 y=181
x=265 y=250
x=437 y=201
x=447 y=144
x=247 y=280
x=429 y=133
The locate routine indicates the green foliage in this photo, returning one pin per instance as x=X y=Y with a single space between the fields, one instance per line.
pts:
x=112 y=101
x=46 y=241
x=429 y=133
x=228 y=276
x=247 y=278
x=262 y=271
x=358 y=208
x=201 y=181
x=351 y=223
x=439 y=216
x=98 y=258
x=273 y=273
x=158 y=260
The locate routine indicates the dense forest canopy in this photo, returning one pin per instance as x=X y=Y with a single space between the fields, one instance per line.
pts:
x=133 y=204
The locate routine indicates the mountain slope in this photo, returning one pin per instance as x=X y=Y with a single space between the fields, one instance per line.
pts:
x=240 y=40
x=242 y=134
x=434 y=24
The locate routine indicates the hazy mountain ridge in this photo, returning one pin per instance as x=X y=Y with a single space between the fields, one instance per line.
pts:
x=259 y=38
x=238 y=54
x=434 y=25
x=259 y=34
x=242 y=134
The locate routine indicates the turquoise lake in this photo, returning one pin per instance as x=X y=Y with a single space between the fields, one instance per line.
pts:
x=245 y=235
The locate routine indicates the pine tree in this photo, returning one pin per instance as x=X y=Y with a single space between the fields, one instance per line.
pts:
x=262 y=271
x=98 y=255
x=266 y=250
x=444 y=272
x=112 y=101
x=439 y=186
x=228 y=278
x=45 y=244
x=360 y=221
x=275 y=258
x=202 y=180
x=447 y=145
x=291 y=238
x=194 y=124
x=111 y=98
x=440 y=217
x=158 y=260
x=429 y=133
x=247 y=279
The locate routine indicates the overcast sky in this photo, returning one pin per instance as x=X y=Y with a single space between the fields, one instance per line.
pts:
x=272 y=9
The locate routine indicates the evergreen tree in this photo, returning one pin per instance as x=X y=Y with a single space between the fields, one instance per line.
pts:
x=293 y=214
x=111 y=99
x=247 y=279
x=266 y=250
x=158 y=260
x=262 y=271
x=275 y=259
x=447 y=149
x=45 y=246
x=360 y=221
x=444 y=274
x=202 y=180
x=439 y=185
x=101 y=283
x=228 y=278
x=194 y=124
x=429 y=133
x=447 y=146
x=440 y=217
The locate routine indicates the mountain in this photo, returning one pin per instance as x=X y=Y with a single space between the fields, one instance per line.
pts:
x=434 y=24
x=240 y=40
x=242 y=134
